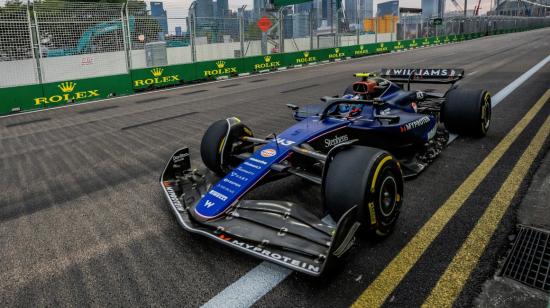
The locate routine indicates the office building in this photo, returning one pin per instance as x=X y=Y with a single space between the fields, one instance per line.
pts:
x=303 y=8
x=389 y=8
x=432 y=8
x=359 y=9
x=259 y=6
x=222 y=8
x=158 y=12
x=300 y=25
x=205 y=8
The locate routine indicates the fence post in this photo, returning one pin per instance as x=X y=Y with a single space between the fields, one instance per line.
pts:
x=37 y=31
x=357 y=33
x=281 y=25
x=192 y=30
x=310 y=30
x=125 y=34
x=375 y=29
x=241 y=33
x=35 y=43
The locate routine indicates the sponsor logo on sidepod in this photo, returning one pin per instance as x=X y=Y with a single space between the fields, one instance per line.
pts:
x=414 y=124
x=336 y=140
x=268 y=153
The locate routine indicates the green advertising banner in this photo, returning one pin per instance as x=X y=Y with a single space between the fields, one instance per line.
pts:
x=217 y=68
x=162 y=76
x=399 y=45
x=19 y=98
x=383 y=47
x=75 y=91
x=335 y=53
x=414 y=43
x=363 y=50
x=425 y=42
x=302 y=57
x=261 y=63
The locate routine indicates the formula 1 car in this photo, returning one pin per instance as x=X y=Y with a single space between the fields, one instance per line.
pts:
x=358 y=148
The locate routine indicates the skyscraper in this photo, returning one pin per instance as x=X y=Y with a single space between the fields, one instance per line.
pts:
x=222 y=8
x=205 y=8
x=326 y=10
x=389 y=8
x=259 y=5
x=360 y=9
x=351 y=10
x=433 y=8
x=157 y=11
x=365 y=9
x=303 y=7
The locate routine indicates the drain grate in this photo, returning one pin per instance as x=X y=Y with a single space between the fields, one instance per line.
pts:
x=529 y=260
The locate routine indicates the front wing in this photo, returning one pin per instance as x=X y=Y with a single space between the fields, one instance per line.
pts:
x=278 y=231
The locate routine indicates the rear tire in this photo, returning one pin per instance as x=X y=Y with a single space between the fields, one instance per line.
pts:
x=370 y=178
x=467 y=112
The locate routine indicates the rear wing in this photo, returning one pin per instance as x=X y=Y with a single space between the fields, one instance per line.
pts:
x=423 y=75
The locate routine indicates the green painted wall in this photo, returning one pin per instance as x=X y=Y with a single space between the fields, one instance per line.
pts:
x=77 y=91
x=19 y=97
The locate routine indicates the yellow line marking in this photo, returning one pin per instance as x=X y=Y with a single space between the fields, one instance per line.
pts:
x=452 y=281
x=378 y=291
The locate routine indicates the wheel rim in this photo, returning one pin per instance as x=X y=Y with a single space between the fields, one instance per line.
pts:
x=387 y=197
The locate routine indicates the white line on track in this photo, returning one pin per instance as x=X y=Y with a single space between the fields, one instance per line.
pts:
x=251 y=287
x=263 y=278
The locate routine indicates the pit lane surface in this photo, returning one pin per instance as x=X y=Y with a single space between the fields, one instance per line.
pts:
x=83 y=219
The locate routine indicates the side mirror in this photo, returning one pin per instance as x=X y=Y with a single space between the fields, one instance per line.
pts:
x=292 y=107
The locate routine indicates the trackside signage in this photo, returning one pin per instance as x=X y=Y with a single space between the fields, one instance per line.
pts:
x=157 y=78
x=336 y=54
x=268 y=63
x=363 y=50
x=382 y=47
x=398 y=46
x=68 y=92
x=306 y=58
x=425 y=42
x=220 y=67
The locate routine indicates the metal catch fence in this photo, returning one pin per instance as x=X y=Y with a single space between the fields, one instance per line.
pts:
x=17 y=64
x=80 y=40
x=49 y=41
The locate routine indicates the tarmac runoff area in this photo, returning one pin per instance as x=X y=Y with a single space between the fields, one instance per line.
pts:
x=83 y=220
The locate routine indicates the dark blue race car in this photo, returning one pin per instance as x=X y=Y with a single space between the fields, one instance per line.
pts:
x=358 y=148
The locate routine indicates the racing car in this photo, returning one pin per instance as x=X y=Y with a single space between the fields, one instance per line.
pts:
x=358 y=148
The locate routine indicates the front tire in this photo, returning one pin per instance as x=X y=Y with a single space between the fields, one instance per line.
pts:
x=220 y=141
x=467 y=112
x=370 y=178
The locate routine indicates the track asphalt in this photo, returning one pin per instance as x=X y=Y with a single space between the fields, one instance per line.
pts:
x=83 y=221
